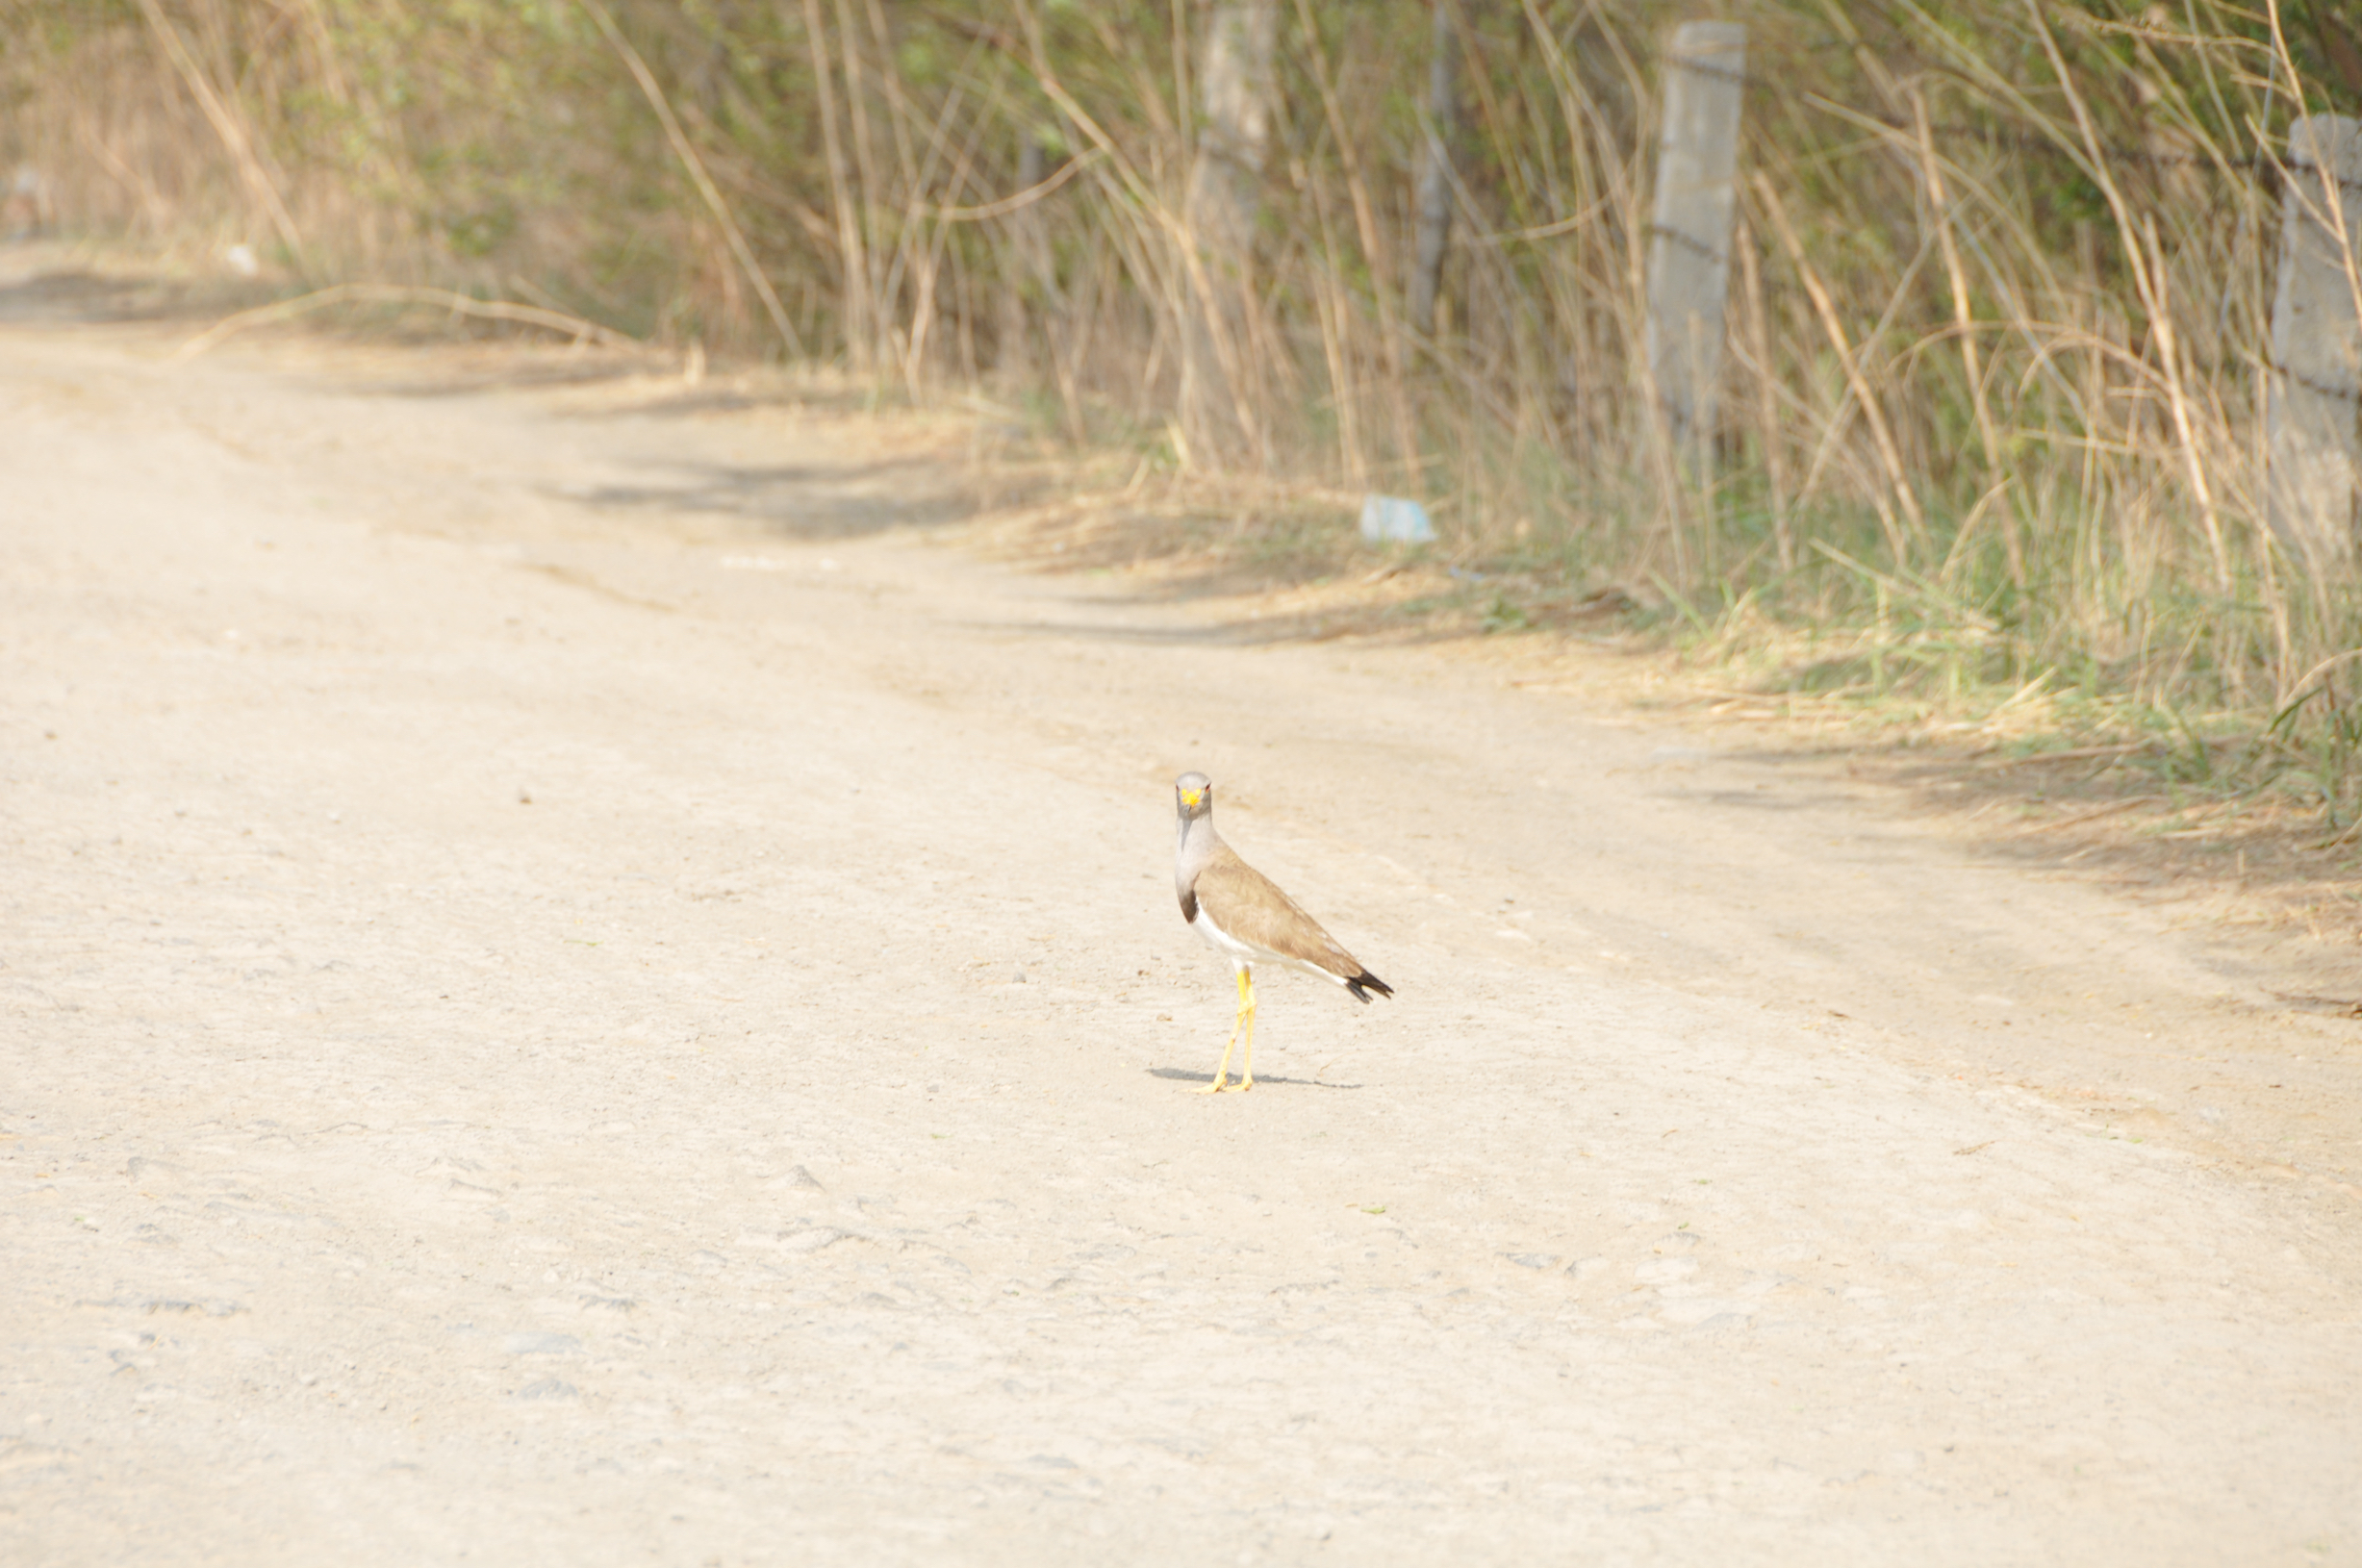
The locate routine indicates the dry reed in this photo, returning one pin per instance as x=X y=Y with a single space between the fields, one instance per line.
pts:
x=1990 y=425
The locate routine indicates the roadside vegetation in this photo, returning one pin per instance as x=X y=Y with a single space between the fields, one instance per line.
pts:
x=1987 y=450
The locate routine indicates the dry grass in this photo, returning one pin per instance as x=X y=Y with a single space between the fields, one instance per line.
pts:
x=1988 y=452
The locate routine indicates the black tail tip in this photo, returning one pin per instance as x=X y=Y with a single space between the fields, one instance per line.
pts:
x=1363 y=983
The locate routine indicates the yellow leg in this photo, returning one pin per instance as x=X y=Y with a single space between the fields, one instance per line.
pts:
x=1246 y=983
x=1245 y=1016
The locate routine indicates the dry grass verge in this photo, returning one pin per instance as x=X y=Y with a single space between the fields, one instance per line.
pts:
x=2221 y=816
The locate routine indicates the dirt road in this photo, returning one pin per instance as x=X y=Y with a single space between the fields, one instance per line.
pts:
x=580 y=987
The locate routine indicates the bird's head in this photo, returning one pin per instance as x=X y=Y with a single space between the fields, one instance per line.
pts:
x=1193 y=797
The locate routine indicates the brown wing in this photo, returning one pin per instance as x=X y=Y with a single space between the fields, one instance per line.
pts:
x=1249 y=906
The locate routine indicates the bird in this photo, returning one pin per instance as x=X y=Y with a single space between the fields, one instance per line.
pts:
x=1243 y=915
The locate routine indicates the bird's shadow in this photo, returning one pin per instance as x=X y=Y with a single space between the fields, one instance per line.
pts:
x=1183 y=1076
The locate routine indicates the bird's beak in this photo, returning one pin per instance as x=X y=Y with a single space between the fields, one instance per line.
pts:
x=1190 y=798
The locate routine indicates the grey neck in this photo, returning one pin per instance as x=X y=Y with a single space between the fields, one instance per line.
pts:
x=1193 y=846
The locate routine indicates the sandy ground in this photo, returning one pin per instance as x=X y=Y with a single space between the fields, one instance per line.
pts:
x=581 y=986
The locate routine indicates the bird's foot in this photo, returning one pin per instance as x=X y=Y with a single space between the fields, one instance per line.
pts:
x=1213 y=1088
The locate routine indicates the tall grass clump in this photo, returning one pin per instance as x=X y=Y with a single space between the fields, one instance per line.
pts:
x=1990 y=431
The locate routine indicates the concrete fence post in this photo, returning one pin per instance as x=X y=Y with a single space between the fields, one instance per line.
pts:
x=1690 y=236
x=1434 y=232
x=1235 y=90
x=2313 y=438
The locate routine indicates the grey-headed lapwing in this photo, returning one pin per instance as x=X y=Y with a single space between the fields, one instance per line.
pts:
x=1242 y=915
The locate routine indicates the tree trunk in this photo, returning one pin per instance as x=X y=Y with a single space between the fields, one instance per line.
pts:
x=1028 y=277
x=1435 y=172
x=1235 y=86
x=852 y=260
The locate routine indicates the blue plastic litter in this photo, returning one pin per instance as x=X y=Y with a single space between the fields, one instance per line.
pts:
x=1390 y=520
